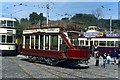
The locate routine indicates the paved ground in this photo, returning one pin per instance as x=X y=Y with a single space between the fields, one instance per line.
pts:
x=19 y=67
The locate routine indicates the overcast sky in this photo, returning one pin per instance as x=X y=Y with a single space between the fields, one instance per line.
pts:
x=58 y=9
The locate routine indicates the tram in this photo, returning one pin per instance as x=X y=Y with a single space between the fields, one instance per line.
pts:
x=106 y=43
x=52 y=45
x=7 y=37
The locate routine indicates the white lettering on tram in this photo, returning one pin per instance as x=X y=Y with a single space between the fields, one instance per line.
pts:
x=52 y=30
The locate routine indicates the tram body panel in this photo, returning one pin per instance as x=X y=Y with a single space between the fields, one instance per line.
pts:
x=77 y=54
x=8 y=47
x=44 y=53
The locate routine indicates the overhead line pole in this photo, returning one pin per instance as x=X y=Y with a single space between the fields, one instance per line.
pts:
x=47 y=6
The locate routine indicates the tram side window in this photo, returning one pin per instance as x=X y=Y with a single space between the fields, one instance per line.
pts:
x=96 y=43
x=47 y=42
x=3 y=23
x=41 y=41
x=76 y=41
x=9 y=39
x=36 y=42
x=54 y=42
x=32 y=41
x=3 y=38
x=102 y=43
x=110 y=43
x=27 y=41
x=72 y=41
x=86 y=42
x=81 y=42
x=117 y=43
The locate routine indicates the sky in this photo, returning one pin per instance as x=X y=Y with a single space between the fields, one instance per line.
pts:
x=58 y=9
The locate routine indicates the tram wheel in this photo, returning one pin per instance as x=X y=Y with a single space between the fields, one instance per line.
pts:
x=31 y=59
x=51 y=62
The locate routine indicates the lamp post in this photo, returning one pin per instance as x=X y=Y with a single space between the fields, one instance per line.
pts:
x=110 y=24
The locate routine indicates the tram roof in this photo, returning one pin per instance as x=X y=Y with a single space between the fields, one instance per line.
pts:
x=9 y=19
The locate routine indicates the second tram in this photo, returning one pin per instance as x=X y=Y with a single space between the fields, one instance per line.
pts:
x=105 y=43
x=52 y=45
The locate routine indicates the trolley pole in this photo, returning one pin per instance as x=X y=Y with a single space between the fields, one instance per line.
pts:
x=11 y=15
x=47 y=6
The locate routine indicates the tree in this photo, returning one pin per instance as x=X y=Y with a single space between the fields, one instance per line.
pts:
x=34 y=18
x=24 y=23
x=66 y=18
x=18 y=27
x=85 y=19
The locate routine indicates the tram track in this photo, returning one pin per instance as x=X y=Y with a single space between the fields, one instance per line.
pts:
x=63 y=72
x=54 y=71
x=25 y=71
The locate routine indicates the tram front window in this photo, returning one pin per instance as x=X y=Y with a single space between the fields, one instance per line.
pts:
x=9 y=39
x=10 y=23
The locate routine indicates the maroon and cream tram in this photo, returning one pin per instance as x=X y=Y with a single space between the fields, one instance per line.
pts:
x=52 y=45
x=106 y=43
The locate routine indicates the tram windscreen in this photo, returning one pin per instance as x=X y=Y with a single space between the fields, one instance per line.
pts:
x=73 y=36
x=9 y=23
x=9 y=39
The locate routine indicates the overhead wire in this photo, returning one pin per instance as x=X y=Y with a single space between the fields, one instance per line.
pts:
x=52 y=8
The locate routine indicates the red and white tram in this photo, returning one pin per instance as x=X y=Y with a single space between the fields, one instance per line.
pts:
x=52 y=45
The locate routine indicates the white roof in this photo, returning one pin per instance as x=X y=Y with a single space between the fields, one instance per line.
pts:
x=7 y=19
